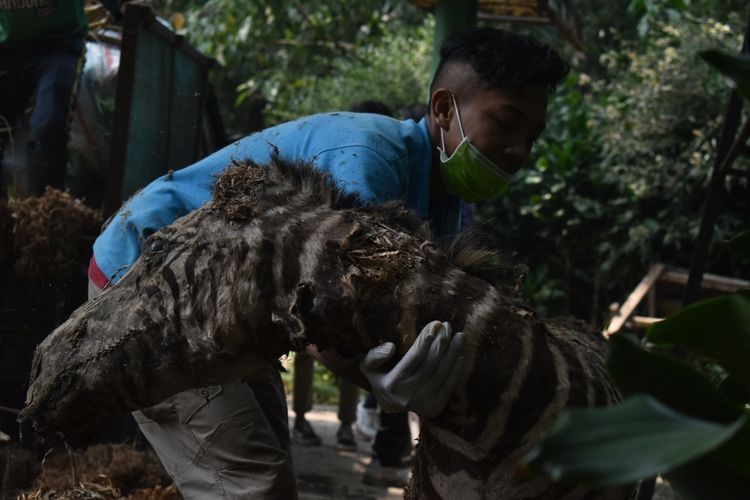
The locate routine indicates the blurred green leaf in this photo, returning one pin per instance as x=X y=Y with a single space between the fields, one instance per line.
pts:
x=740 y=244
x=717 y=328
x=733 y=454
x=621 y=444
x=671 y=381
x=735 y=67
x=734 y=390
x=706 y=478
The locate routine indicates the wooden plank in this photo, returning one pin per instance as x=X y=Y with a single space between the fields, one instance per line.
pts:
x=514 y=19
x=713 y=282
x=624 y=312
x=644 y=321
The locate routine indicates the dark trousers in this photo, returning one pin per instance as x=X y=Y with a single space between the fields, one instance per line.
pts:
x=393 y=439
x=302 y=393
x=304 y=371
x=47 y=75
x=370 y=401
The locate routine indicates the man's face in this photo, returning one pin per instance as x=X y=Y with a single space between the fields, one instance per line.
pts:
x=502 y=123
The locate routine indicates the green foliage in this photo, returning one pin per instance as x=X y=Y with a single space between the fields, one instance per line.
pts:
x=649 y=11
x=558 y=202
x=740 y=245
x=615 y=26
x=621 y=173
x=727 y=318
x=677 y=422
x=642 y=438
x=672 y=381
x=706 y=477
x=325 y=383
x=287 y=58
x=369 y=71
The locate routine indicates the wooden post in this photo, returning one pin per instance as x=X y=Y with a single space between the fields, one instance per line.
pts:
x=451 y=16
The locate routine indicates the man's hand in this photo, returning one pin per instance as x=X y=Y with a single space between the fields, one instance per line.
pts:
x=424 y=379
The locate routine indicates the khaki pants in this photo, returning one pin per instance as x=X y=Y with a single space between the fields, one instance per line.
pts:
x=224 y=442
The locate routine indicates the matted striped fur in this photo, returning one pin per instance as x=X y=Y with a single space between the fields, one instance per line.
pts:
x=281 y=259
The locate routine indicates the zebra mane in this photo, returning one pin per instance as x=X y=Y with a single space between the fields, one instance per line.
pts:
x=247 y=188
x=237 y=192
x=472 y=252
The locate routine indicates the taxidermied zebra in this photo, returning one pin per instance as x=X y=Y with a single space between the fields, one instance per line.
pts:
x=281 y=259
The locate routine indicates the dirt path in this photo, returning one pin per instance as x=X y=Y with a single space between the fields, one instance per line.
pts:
x=323 y=472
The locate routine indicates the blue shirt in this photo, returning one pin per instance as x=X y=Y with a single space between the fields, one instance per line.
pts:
x=376 y=157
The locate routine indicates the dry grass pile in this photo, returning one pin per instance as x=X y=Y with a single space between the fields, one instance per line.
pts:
x=104 y=489
x=48 y=235
x=104 y=471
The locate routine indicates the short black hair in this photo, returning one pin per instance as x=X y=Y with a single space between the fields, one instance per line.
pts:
x=415 y=112
x=371 y=106
x=501 y=58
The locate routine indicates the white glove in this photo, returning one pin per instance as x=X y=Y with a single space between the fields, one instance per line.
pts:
x=424 y=379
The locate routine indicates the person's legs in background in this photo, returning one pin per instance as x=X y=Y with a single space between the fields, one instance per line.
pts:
x=302 y=432
x=367 y=417
x=15 y=94
x=47 y=76
x=55 y=73
x=392 y=443
x=348 y=396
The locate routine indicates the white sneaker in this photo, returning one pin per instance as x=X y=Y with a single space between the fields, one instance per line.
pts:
x=367 y=421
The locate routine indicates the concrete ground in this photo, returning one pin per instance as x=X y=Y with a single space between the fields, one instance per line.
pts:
x=323 y=472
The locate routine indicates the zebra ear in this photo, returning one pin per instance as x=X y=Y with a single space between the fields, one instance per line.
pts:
x=434 y=258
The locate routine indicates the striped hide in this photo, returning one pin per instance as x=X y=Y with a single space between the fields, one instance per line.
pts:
x=281 y=259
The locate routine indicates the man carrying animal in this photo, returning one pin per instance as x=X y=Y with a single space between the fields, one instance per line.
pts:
x=487 y=106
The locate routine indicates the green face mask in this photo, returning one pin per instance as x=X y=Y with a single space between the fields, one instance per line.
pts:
x=467 y=172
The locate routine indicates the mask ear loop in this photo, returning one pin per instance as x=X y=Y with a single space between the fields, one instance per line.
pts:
x=458 y=116
x=460 y=125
